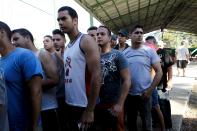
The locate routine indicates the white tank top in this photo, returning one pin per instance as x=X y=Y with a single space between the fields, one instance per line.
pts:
x=74 y=66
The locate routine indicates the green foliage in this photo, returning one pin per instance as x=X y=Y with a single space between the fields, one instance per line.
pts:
x=173 y=38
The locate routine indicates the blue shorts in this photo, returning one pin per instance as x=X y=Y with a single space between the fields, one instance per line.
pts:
x=155 y=100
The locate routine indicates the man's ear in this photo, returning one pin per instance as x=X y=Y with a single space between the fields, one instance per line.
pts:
x=75 y=20
x=2 y=33
x=27 y=38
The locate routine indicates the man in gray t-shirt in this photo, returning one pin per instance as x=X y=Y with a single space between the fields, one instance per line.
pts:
x=111 y=65
x=142 y=60
x=115 y=84
x=3 y=104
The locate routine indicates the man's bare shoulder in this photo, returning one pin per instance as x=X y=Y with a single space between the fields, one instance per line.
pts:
x=44 y=55
x=86 y=38
x=88 y=42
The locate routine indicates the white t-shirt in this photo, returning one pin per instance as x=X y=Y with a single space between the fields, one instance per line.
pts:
x=182 y=52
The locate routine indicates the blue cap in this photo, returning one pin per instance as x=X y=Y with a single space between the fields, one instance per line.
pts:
x=114 y=37
x=123 y=32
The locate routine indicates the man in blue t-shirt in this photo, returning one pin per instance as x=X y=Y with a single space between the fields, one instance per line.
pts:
x=23 y=75
x=23 y=38
x=141 y=60
x=115 y=84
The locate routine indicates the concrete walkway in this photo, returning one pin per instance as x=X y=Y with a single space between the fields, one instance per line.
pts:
x=180 y=93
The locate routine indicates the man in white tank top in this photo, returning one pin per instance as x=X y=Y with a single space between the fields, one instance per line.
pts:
x=23 y=38
x=81 y=51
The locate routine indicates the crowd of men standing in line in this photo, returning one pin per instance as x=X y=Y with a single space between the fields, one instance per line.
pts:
x=86 y=85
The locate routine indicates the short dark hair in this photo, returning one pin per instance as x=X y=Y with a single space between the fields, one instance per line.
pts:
x=151 y=38
x=24 y=32
x=109 y=31
x=92 y=28
x=59 y=32
x=135 y=27
x=6 y=28
x=70 y=10
x=49 y=36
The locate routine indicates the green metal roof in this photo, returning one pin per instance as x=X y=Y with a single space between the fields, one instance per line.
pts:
x=178 y=15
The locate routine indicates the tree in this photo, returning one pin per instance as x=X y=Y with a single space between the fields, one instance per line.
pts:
x=174 y=38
